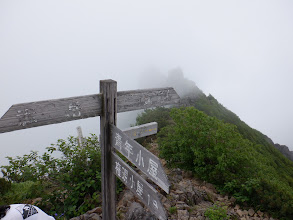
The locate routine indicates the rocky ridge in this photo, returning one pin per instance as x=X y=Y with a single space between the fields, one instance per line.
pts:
x=189 y=199
x=285 y=151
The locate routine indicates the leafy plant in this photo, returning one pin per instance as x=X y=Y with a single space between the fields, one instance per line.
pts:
x=173 y=210
x=4 y=186
x=215 y=151
x=160 y=115
x=72 y=183
x=23 y=192
x=216 y=212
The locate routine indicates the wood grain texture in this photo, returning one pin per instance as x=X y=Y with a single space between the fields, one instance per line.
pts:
x=146 y=98
x=141 y=130
x=139 y=186
x=41 y=113
x=140 y=157
x=34 y=114
x=108 y=89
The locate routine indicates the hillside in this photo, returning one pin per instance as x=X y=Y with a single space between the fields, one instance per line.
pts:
x=189 y=198
x=191 y=95
x=203 y=136
x=210 y=106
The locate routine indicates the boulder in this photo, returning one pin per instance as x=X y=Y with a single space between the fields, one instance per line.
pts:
x=137 y=212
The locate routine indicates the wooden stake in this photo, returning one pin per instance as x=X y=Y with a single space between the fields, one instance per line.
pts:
x=80 y=137
x=108 y=88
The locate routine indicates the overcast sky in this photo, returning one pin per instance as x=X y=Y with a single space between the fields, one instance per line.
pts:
x=239 y=51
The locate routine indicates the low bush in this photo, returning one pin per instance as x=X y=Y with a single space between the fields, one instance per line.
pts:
x=70 y=185
x=22 y=192
x=217 y=212
x=216 y=152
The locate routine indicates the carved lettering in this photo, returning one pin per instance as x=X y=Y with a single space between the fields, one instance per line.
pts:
x=26 y=117
x=73 y=110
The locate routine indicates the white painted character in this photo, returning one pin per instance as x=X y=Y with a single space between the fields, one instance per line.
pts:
x=124 y=174
x=118 y=169
x=128 y=149
x=153 y=168
x=139 y=189
x=118 y=141
x=139 y=159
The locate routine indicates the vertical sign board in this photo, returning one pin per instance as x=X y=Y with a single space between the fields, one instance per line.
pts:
x=148 y=163
x=106 y=104
x=139 y=186
x=144 y=160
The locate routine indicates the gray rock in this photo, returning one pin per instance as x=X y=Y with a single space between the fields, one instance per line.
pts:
x=285 y=151
x=137 y=212
x=183 y=214
x=94 y=216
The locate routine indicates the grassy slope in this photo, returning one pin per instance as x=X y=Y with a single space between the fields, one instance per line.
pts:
x=212 y=107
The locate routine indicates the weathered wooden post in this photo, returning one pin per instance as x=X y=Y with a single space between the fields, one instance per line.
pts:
x=106 y=105
x=80 y=136
x=108 y=89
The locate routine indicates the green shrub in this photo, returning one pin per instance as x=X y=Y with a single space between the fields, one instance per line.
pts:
x=160 y=115
x=5 y=185
x=216 y=212
x=173 y=210
x=72 y=183
x=22 y=192
x=216 y=152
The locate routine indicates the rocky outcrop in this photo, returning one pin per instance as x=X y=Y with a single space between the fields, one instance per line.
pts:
x=285 y=151
x=94 y=214
x=189 y=199
x=137 y=212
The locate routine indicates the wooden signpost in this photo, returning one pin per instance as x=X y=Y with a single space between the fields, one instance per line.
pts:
x=139 y=186
x=142 y=130
x=106 y=105
x=148 y=163
x=80 y=136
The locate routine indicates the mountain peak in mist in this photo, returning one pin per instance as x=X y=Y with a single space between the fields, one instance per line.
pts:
x=153 y=78
x=182 y=85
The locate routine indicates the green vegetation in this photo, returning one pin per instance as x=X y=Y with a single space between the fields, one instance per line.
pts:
x=210 y=106
x=217 y=212
x=160 y=115
x=213 y=143
x=173 y=210
x=218 y=153
x=69 y=186
x=22 y=192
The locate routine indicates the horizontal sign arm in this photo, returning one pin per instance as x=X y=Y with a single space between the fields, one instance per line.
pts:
x=34 y=114
x=146 y=98
x=47 y=112
x=141 y=130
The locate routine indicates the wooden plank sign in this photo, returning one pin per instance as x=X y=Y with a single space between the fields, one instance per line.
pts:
x=34 y=114
x=140 y=187
x=107 y=104
x=141 y=130
x=148 y=163
x=146 y=98
x=41 y=113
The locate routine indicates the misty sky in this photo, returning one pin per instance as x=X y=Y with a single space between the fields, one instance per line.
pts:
x=239 y=51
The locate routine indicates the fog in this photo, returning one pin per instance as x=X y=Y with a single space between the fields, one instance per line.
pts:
x=241 y=52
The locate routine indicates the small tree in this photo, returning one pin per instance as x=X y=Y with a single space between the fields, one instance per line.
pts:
x=72 y=182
